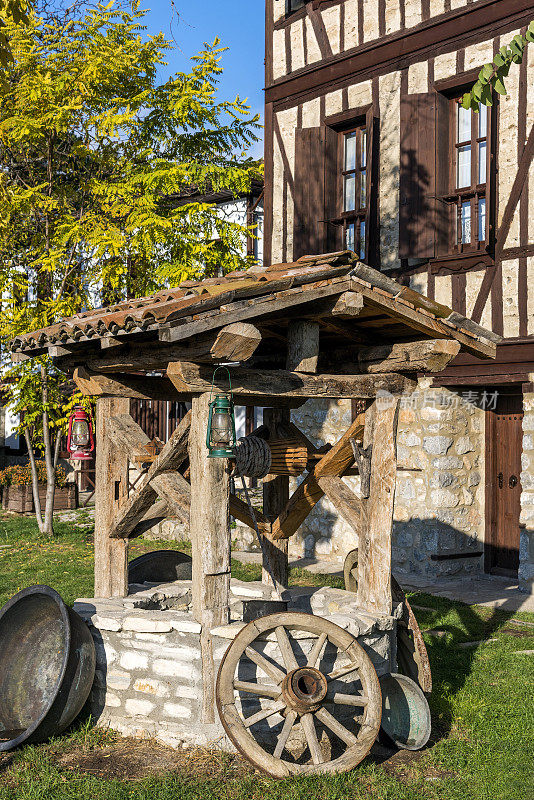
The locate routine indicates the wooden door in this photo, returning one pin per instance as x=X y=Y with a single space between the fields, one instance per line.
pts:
x=503 y=485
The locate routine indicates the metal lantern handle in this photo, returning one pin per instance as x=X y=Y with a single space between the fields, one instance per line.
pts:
x=229 y=381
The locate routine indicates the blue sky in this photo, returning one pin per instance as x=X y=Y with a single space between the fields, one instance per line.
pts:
x=239 y=24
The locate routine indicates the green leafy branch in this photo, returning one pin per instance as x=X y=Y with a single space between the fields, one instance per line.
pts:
x=491 y=77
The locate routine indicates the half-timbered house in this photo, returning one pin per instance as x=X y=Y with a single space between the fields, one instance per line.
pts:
x=367 y=149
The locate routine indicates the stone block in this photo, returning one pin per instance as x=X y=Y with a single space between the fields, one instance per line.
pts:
x=133 y=660
x=144 y=624
x=185 y=625
x=151 y=686
x=112 y=700
x=528 y=441
x=447 y=462
x=464 y=445
x=437 y=445
x=444 y=498
x=138 y=708
x=175 y=669
x=118 y=680
x=106 y=623
x=176 y=710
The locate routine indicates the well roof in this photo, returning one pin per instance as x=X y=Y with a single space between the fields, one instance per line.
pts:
x=392 y=311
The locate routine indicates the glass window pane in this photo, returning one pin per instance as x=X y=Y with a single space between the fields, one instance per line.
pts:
x=363 y=189
x=483 y=121
x=482 y=219
x=464 y=125
x=362 y=239
x=350 y=193
x=350 y=151
x=364 y=149
x=482 y=161
x=465 y=223
x=349 y=236
x=463 y=177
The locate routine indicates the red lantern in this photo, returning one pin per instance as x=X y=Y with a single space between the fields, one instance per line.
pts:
x=80 y=441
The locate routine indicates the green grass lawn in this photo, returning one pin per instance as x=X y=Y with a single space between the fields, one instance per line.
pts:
x=482 y=745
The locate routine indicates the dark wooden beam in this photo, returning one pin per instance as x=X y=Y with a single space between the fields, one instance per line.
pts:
x=283 y=385
x=428 y=355
x=236 y=343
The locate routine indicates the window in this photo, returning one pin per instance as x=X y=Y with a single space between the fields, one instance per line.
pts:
x=354 y=182
x=293 y=5
x=467 y=198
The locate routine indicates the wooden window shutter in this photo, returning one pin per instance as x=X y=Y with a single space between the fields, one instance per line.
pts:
x=333 y=190
x=417 y=211
x=309 y=227
x=372 y=239
x=443 y=168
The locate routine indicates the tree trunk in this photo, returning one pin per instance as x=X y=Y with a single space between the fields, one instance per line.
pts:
x=50 y=461
x=35 y=480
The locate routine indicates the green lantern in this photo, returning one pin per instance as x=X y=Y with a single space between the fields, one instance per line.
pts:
x=221 y=437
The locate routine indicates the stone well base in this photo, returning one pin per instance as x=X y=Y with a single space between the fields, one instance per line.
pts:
x=148 y=679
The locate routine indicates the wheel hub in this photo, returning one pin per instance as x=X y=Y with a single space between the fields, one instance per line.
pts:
x=304 y=689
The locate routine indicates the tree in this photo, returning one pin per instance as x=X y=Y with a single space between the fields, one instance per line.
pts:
x=11 y=11
x=91 y=148
x=492 y=75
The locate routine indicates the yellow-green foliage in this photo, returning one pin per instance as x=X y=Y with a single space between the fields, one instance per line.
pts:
x=93 y=152
x=21 y=475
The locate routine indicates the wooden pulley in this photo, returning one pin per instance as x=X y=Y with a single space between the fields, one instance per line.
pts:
x=288 y=457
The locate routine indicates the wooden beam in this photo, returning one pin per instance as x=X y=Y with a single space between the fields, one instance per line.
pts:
x=128 y=437
x=239 y=510
x=334 y=463
x=236 y=343
x=275 y=497
x=351 y=507
x=431 y=326
x=111 y=486
x=136 y=506
x=260 y=306
x=428 y=355
x=210 y=538
x=131 y=386
x=175 y=491
x=374 y=549
x=280 y=384
x=349 y=304
x=302 y=346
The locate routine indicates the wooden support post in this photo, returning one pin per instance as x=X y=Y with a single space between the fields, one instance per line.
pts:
x=275 y=498
x=374 y=551
x=210 y=539
x=111 y=562
x=302 y=346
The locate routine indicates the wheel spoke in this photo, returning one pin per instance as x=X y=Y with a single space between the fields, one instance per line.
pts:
x=284 y=735
x=257 y=688
x=271 y=670
x=308 y=726
x=357 y=700
x=336 y=727
x=285 y=647
x=352 y=666
x=316 y=651
x=264 y=714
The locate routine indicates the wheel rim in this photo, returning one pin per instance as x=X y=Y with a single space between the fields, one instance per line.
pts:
x=297 y=694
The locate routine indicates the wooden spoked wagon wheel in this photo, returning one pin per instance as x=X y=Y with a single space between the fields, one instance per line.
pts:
x=297 y=694
x=412 y=656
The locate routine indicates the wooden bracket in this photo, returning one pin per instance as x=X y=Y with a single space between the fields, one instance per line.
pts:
x=362 y=457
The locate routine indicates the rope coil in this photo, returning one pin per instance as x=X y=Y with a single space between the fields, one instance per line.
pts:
x=253 y=457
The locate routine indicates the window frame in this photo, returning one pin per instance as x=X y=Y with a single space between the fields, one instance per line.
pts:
x=451 y=197
x=338 y=219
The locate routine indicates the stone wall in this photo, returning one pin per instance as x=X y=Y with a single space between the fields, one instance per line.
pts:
x=526 y=548
x=440 y=491
x=148 y=680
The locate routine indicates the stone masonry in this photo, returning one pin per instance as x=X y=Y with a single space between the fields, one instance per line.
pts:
x=148 y=677
x=440 y=490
